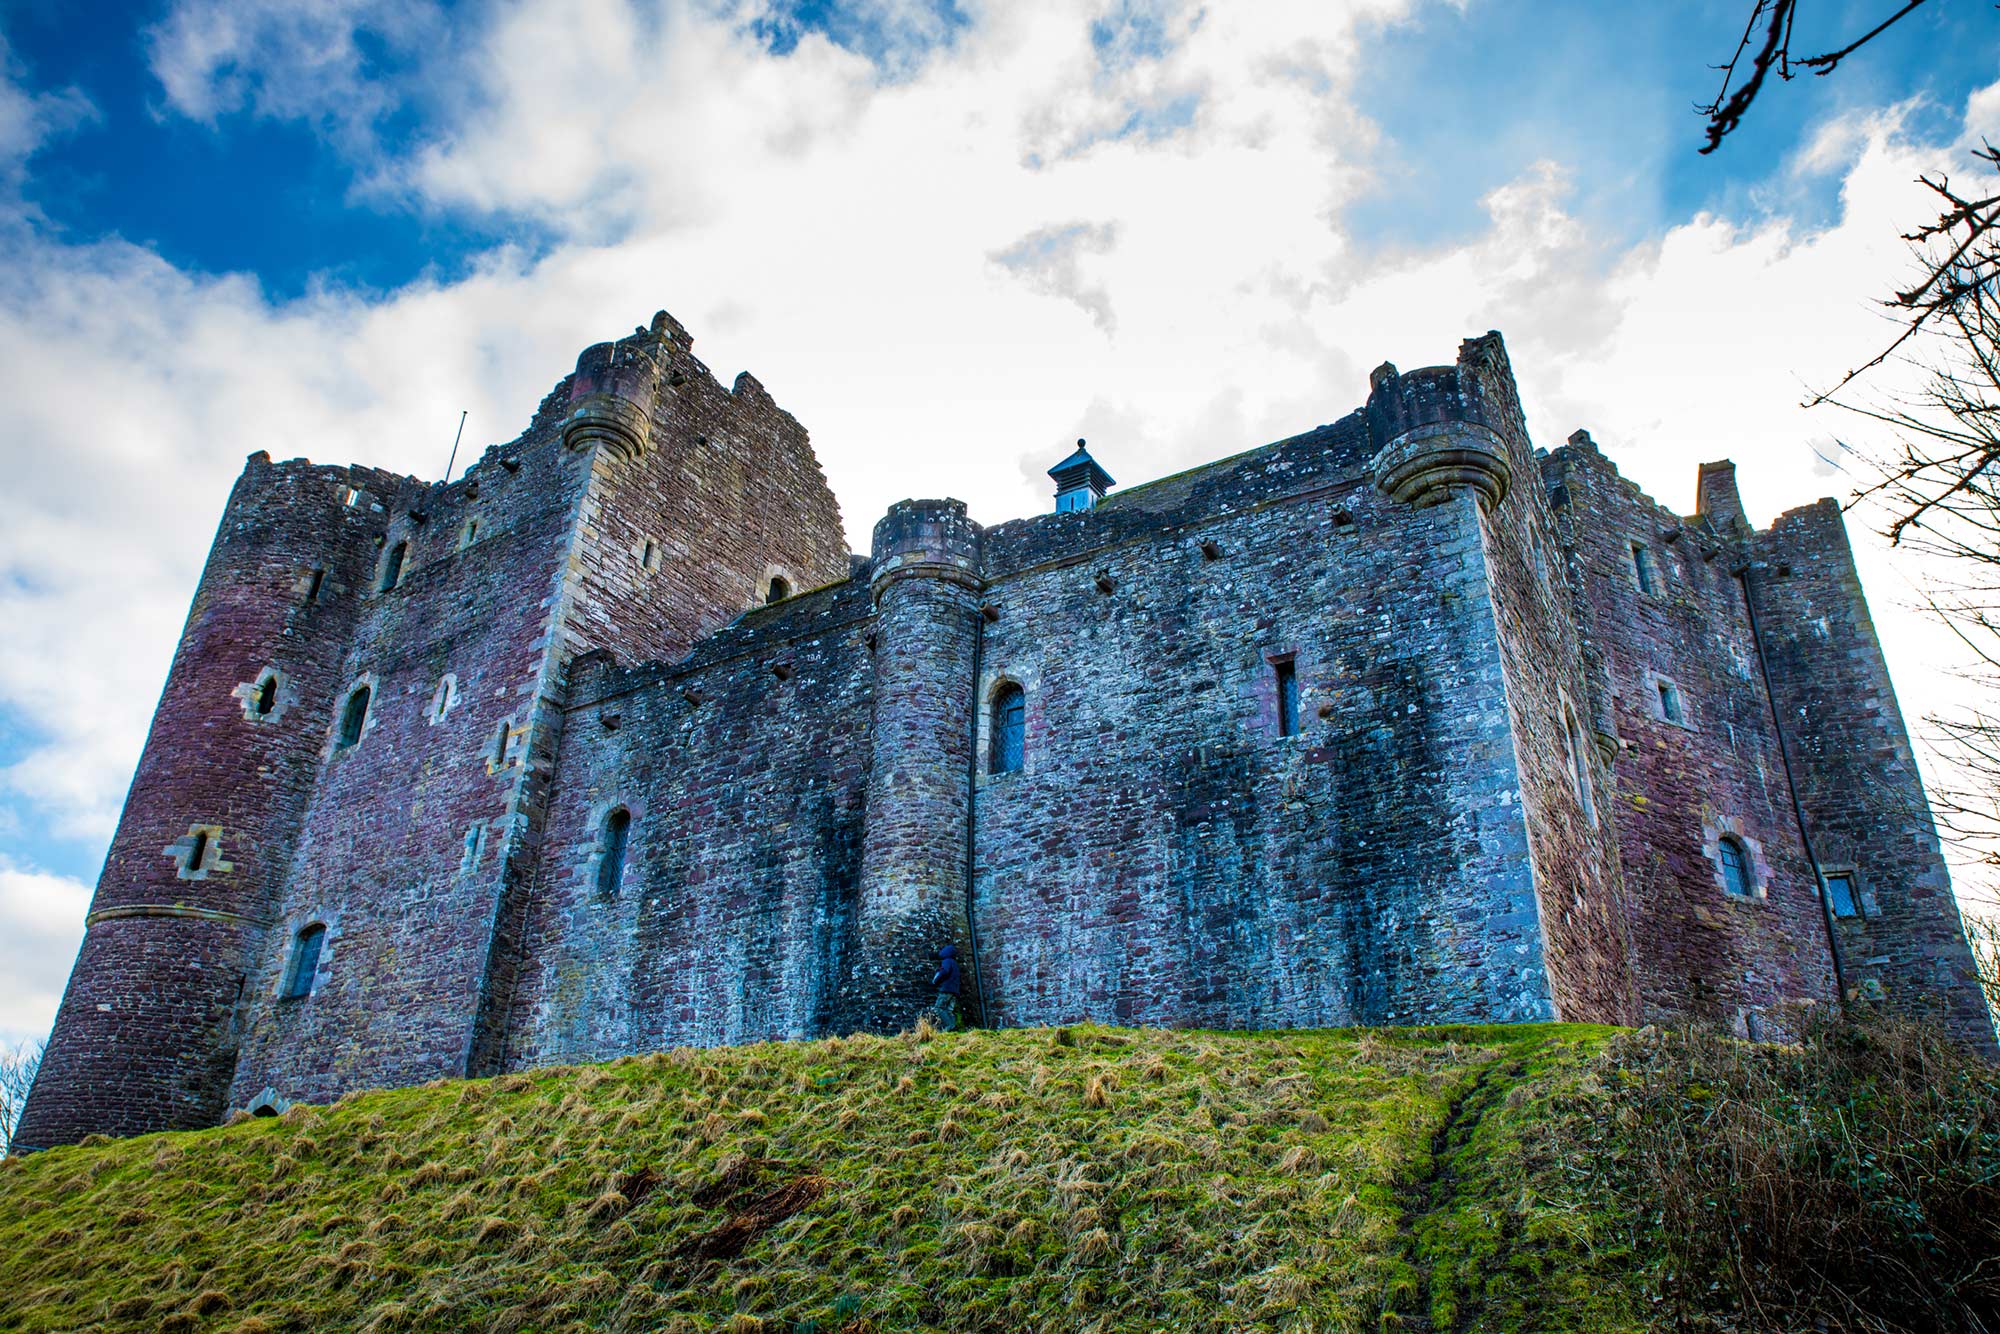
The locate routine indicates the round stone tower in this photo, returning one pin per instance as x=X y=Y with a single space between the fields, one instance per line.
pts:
x=926 y=581
x=1441 y=436
x=145 y=1039
x=611 y=398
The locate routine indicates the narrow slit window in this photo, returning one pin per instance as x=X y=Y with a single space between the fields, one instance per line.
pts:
x=470 y=535
x=500 y=740
x=1642 y=568
x=392 y=566
x=1288 y=697
x=313 y=581
x=1579 y=765
x=198 y=850
x=780 y=590
x=353 y=718
x=1010 y=728
x=1840 y=896
x=304 y=964
x=646 y=555
x=611 y=850
x=1735 y=868
x=267 y=695
x=1670 y=703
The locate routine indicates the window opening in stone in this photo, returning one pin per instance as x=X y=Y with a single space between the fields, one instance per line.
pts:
x=780 y=590
x=646 y=555
x=611 y=848
x=392 y=566
x=1010 y=730
x=1579 y=766
x=198 y=850
x=1840 y=896
x=444 y=697
x=313 y=581
x=1642 y=568
x=1288 y=698
x=305 y=961
x=1670 y=703
x=500 y=739
x=1735 y=868
x=267 y=695
x=470 y=535
x=354 y=717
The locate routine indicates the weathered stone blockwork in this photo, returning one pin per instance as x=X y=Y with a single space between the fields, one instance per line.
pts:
x=1362 y=726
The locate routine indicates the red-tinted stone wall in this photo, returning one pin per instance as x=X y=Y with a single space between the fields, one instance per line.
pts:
x=146 y=1037
x=1566 y=787
x=1680 y=788
x=1857 y=776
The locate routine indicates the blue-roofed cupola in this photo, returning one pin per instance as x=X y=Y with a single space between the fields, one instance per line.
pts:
x=1080 y=483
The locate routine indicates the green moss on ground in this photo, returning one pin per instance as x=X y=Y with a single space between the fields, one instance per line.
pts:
x=1070 y=1179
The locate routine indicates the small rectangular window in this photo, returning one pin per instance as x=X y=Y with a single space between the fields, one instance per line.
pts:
x=1288 y=698
x=1642 y=568
x=313 y=581
x=1670 y=703
x=1840 y=896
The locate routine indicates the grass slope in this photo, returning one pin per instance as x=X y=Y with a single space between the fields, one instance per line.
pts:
x=1068 y=1179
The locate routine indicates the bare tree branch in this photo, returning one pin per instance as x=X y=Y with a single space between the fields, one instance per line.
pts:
x=17 y=1076
x=1774 y=54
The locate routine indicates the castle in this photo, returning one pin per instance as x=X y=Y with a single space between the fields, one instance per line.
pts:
x=610 y=745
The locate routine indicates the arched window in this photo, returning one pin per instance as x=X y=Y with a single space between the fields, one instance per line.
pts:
x=304 y=962
x=780 y=590
x=353 y=718
x=392 y=566
x=1735 y=868
x=1010 y=730
x=267 y=695
x=611 y=852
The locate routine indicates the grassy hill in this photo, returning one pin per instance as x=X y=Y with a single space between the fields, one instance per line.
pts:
x=1068 y=1179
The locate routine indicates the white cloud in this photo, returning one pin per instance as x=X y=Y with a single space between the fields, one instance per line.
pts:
x=834 y=226
x=43 y=917
x=27 y=122
x=320 y=62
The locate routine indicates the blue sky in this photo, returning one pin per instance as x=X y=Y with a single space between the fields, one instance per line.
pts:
x=1465 y=98
x=948 y=236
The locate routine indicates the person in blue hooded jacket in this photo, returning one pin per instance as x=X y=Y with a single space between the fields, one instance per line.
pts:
x=946 y=985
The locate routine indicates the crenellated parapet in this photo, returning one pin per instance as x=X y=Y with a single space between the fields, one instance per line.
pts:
x=925 y=539
x=1443 y=431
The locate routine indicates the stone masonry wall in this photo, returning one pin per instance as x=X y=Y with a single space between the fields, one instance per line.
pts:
x=1857 y=776
x=411 y=833
x=1696 y=949
x=146 y=1035
x=744 y=770
x=1164 y=856
x=1566 y=788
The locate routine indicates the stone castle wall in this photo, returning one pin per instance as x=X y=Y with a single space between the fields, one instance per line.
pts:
x=611 y=797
